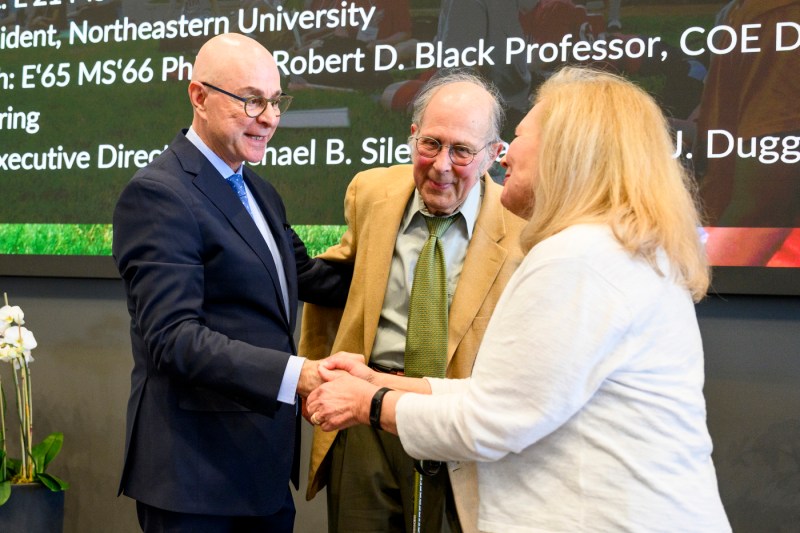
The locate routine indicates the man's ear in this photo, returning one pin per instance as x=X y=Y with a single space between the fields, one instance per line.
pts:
x=495 y=149
x=492 y=151
x=197 y=96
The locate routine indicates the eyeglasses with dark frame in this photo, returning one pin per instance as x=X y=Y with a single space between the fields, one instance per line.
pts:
x=255 y=105
x=460 y=154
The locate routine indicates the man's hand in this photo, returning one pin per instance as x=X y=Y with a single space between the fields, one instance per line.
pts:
x=340 y=362
x=304 y=410
x=341 y=403
x=309 y=378
x=351 y=363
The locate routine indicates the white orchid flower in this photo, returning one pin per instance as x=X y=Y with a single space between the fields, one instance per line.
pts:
x=8 y=353
x=21 y=338
x=10 y=315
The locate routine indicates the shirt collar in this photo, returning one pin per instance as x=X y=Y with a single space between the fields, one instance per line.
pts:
x=223 y=169
x=469 y=209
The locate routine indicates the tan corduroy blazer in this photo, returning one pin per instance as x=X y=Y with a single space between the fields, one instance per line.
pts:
x=374 y=206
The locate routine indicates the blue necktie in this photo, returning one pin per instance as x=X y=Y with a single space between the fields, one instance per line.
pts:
x=237 y=184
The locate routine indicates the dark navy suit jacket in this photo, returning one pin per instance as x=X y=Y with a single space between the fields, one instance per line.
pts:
x=210 y=337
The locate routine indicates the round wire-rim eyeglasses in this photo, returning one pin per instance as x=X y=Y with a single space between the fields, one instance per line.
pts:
x=255 y=105
x=460 y=154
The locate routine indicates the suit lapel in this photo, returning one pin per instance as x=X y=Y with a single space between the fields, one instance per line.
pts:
x=484 y=259
x=380 y=250
x=280 y=233
x=213 y=186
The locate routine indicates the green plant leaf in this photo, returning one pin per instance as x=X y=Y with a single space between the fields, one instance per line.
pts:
x=51 y=482
x=13 y=466
x=46 y=451
x=5 y=491
x=3 y=467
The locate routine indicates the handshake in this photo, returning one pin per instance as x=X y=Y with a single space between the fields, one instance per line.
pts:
x=337 y=391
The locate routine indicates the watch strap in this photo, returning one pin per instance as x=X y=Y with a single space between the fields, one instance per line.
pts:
x=376 y=406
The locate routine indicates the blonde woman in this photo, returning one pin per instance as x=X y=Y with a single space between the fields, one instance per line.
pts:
x=585 y=409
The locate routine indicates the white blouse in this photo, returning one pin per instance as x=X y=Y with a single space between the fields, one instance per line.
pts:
x=585 y=409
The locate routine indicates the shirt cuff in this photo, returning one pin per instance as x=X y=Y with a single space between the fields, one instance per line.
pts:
x=291 y=376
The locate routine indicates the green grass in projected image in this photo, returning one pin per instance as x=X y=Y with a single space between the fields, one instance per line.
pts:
x=95 y=239
x=55 y=239
x=319 y=238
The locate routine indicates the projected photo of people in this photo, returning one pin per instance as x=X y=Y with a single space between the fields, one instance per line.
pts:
x=749 y=136
x=724 y=72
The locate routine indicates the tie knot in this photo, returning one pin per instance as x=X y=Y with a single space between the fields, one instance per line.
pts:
x=237 y=182
x=438 y=225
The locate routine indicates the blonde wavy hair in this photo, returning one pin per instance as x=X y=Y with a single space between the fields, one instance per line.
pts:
x=606 y=157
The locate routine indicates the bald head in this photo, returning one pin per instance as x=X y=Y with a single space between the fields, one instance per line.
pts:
x=230 y=56
x=461 y=97
x=489 y=100
x=229 y=69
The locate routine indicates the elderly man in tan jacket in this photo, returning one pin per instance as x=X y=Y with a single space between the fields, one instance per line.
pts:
x=454 y=140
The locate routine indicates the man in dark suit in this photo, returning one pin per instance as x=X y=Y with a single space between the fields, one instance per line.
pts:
x=212 y=276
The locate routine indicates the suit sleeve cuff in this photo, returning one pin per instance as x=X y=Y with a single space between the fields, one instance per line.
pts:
x=291 y=376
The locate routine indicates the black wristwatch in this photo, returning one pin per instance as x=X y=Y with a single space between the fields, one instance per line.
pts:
x=375 y=407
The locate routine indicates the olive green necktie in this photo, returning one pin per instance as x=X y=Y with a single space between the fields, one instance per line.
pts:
x=426 y=333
